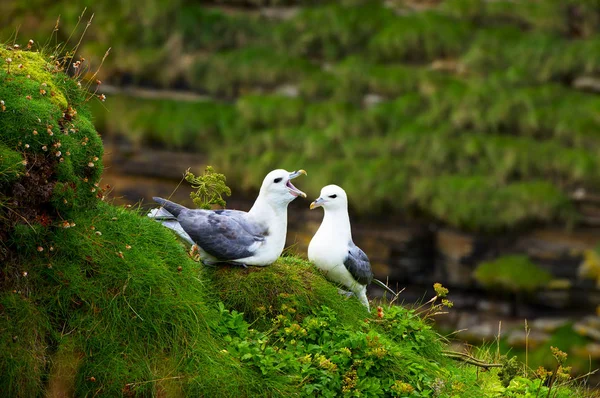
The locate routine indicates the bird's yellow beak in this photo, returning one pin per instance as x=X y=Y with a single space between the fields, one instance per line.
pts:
x=317 y=203
x=293 y=190
x=297 y=174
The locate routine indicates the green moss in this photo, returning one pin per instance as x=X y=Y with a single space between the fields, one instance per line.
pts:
x=41 y=121
x=24 y=350
x=40 y=71
x=178 y=125
x=268 y=289
x=333 y=31
x=235 y=72
x=269 y=111
x=476 y=202
x=515 y=273
x=11 y=164
x=421 y=36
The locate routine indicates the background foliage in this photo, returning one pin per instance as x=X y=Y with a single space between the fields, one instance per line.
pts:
x=411 y=106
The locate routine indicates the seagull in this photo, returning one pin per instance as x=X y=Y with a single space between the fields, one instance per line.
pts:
x=256 y=237
x=333 y=251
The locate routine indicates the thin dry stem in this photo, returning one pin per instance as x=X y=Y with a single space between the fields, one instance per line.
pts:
x=56 y=25
x=87 y=25
x=93 y=78
x=461 y=356
x=527 y=330
x=75 y=28
x=498 y=340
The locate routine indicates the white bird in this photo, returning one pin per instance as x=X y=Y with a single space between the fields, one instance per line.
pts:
x=231 y=236
x=332 y=249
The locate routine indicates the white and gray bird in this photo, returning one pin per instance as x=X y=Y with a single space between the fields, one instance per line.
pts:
x=256 y=237
x=332 y=249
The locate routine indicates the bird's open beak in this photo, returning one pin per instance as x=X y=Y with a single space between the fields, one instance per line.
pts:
x=317 y=203
x=298 y=173
x=293 y=190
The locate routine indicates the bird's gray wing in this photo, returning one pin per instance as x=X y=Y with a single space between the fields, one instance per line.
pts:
x=224 y=234
x=358 y=264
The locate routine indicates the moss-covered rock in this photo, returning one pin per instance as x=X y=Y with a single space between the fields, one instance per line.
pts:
x=514 y=273
x=59 y=148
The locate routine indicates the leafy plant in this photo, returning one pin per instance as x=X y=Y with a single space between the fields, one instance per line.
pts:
x=210 y=188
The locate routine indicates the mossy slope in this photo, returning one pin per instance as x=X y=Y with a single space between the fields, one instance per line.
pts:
x=97 y=300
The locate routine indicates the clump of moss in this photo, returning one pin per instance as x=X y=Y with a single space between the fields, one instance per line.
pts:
x=515 y=273
x=266 y=290
x=59 y=147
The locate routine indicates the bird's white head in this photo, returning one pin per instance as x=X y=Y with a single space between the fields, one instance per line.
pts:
x=332 y=198
x=277 y=187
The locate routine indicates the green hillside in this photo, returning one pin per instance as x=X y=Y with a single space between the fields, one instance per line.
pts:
x=98 y=300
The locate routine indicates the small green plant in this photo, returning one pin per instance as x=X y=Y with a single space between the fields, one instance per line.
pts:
x=210 y=188
x=327 y=357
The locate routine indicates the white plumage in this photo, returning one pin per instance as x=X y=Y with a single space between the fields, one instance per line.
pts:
x=332 y=249
x=256 y=237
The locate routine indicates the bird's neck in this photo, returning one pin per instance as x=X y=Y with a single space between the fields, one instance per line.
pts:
x=337 y=222
x=264 y=211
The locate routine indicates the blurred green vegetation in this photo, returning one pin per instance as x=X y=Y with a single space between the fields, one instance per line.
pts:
x=513 y=273
x=464 y=111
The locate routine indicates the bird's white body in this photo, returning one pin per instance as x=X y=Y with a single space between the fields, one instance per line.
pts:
x=253 y=238
x=273 y=214
x=329 y=248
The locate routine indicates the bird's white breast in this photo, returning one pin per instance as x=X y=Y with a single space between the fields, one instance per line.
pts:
x=269 y=250
x=327 y=250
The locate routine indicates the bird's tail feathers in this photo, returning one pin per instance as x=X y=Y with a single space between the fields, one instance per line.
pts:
x=386 y=287
x=160 y=214
x=171 y=207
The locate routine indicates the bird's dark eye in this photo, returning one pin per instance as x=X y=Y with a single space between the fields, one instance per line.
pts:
x=333 y=196
x=277 y=180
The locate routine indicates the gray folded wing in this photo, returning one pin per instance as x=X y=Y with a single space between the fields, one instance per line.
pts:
x=357 y=263
x=224 y=234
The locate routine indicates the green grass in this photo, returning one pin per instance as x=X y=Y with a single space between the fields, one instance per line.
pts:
x=151 y=122
x=473 y=201
x=238 y=71
x=384 y=151
x=421 y=37
x=332 y=31
x=100 y=300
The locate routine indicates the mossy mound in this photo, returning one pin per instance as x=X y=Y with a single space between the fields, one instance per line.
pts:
x=43 y=122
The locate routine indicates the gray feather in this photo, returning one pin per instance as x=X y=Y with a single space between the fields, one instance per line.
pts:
x=357 y=263
x=170 y=221
x=171 y=207
x=224 y=234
